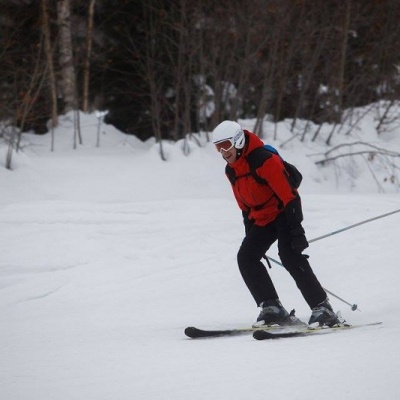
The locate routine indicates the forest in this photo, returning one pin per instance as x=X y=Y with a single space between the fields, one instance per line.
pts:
x=166 y=68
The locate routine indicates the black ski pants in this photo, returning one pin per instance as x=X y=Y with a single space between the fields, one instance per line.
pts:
x=256 y=243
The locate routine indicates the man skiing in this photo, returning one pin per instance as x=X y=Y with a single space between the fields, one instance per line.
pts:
x=272 y=212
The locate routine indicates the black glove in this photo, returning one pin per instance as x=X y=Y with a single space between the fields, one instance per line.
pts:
x=248 y=223
x=299 y=241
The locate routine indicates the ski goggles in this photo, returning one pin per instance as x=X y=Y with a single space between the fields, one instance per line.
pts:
x=225 y=145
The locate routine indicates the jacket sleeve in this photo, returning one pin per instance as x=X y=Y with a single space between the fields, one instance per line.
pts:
x=275 y=174
x=239 y=201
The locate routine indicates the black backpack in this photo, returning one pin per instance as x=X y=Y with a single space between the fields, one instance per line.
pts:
x=257 y=157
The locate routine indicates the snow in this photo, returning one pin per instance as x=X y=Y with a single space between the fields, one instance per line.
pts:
x=108 y=253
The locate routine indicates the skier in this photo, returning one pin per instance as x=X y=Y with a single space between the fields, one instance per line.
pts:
x=271 y=212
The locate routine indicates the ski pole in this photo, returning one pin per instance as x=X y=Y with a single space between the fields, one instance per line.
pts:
x=353 y=226
x=353 y=306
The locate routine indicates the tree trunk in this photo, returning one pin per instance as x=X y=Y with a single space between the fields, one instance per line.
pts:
x=86 y=65
x=50 y=64
x=66 y=55
x=338 y=86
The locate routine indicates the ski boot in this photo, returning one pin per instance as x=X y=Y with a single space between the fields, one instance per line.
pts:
x=323 y=314
x=272 y=313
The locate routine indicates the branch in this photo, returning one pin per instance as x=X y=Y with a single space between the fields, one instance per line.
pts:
x=369 y=152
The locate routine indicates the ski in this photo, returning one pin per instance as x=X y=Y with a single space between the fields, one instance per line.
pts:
x=261 y=334
x=196 y=333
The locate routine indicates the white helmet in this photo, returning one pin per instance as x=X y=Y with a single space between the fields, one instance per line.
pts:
x=229 y=130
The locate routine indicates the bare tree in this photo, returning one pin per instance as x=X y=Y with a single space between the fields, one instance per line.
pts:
x=338 y=79
x=52 y=83
x=162 y=59
x=27 y=102
x=67 y=68
x=66 y=57
x=154 y=78
x=86 y=64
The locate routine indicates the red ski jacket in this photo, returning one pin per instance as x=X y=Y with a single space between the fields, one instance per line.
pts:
x=262 y=202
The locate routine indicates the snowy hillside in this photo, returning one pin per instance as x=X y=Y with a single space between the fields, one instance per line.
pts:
x=108 y=253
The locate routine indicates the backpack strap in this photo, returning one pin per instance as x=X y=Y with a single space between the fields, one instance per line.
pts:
x=257 y=158
x=259 y=155
x=230 y=173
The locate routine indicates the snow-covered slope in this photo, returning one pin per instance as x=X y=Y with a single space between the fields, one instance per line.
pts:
x=108 y=253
